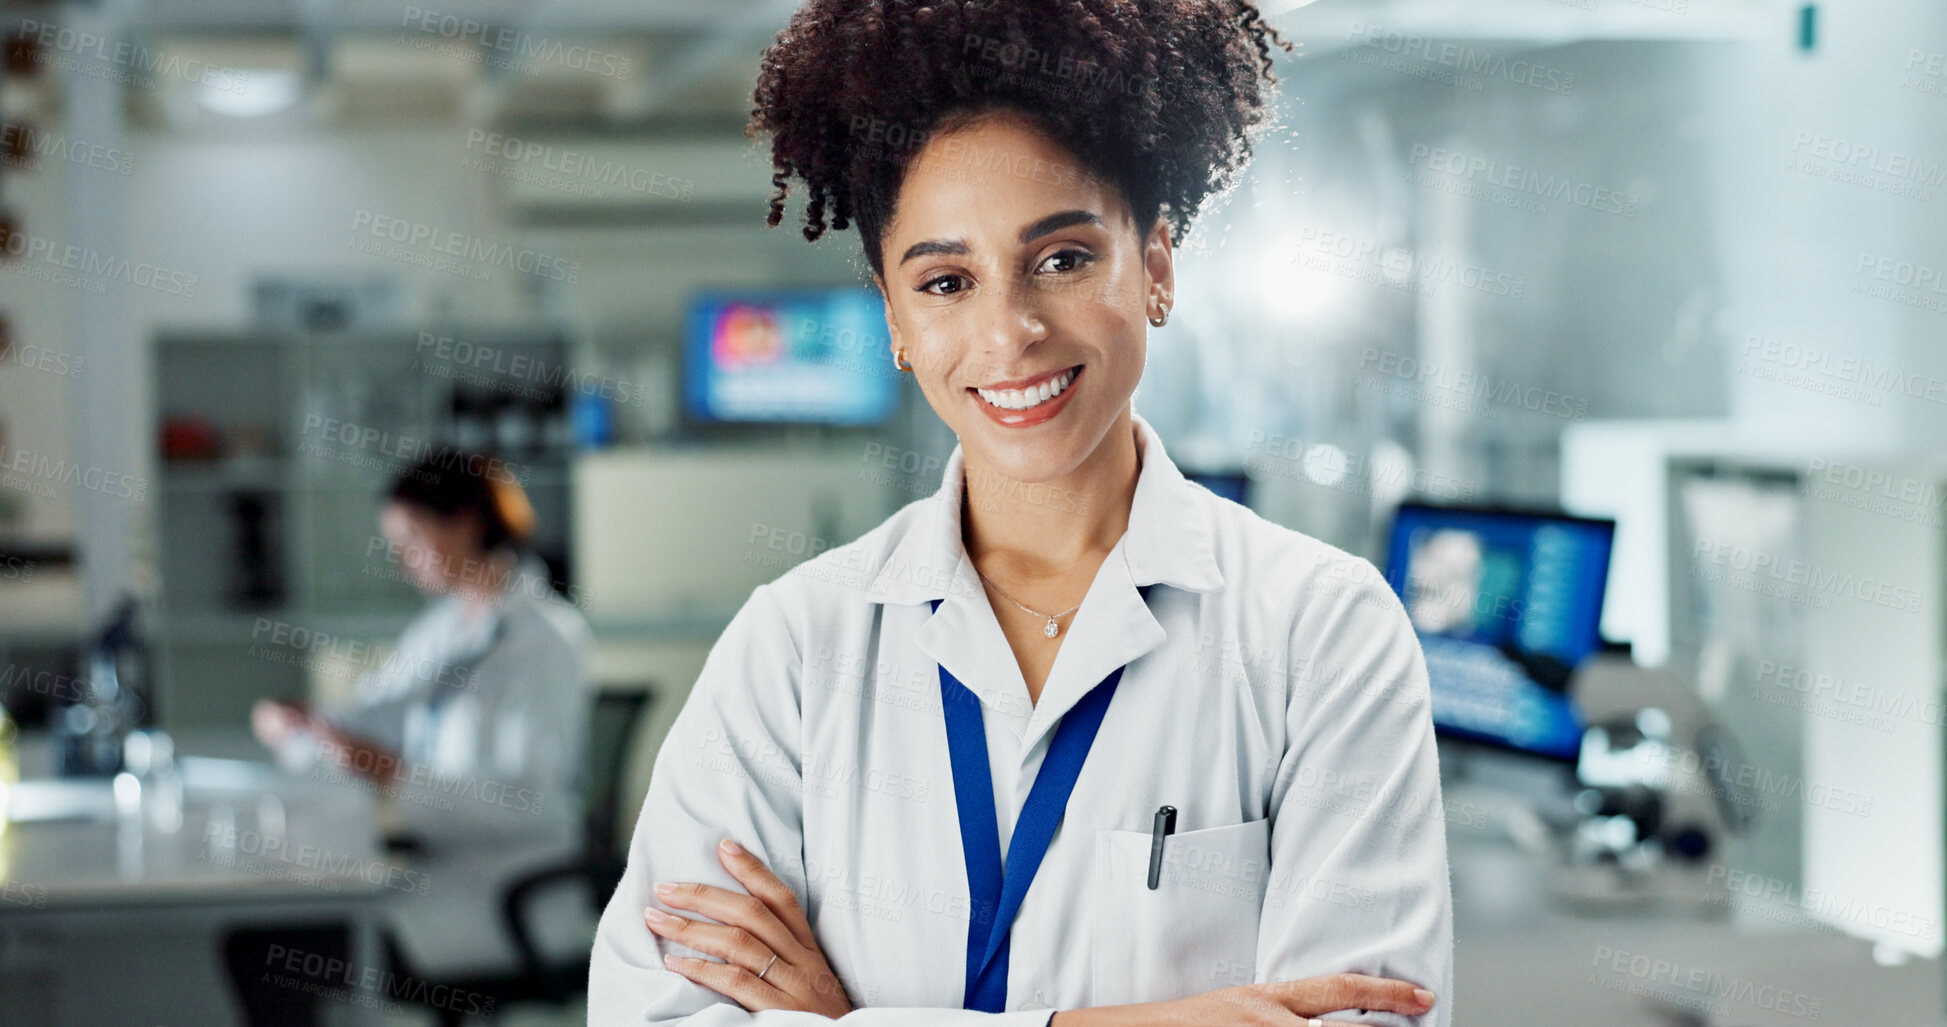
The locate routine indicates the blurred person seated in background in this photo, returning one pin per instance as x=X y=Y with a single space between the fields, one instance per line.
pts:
x=473 y=729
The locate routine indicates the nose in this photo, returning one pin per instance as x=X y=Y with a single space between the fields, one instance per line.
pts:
x=1013 y=321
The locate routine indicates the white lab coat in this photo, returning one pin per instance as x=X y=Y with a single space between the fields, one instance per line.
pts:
x=489 y=717
x=1274 y=694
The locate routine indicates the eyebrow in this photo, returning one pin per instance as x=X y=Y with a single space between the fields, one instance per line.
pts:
x=1057 y=222
x=1051 y=223
x=933 y=246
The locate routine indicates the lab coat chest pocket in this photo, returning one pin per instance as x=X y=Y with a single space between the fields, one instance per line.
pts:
x=1197 y=931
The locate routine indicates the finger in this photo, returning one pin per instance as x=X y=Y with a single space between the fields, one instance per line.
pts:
x=1315 y=995
x=736 y=909
x=730 y=943
x=732 y=982
x=758 y=879
x=733 y=912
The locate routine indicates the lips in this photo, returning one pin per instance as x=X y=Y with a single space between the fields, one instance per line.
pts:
x=1028 y=401
x=1027 y=393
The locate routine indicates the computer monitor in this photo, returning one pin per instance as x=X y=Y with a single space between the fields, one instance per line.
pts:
x=799 y=356
x=1506 y=603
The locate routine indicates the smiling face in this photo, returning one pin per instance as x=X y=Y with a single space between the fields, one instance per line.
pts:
x=1018 y=286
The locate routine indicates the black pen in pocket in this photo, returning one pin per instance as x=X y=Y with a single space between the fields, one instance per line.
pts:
x=1165 y=826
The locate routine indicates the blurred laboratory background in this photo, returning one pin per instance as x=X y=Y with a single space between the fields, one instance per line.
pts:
x=1614 y=332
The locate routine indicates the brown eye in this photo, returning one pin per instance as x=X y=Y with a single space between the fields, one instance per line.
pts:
x=954 y=282
x=1065 y=261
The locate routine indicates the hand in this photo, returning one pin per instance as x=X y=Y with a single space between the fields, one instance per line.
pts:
x=273 y=720
x=750 y=930
x=1273 y=1004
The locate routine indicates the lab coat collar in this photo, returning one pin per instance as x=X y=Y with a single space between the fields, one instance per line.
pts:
x=530 y=578
x=1170 y=540
x=526 y=581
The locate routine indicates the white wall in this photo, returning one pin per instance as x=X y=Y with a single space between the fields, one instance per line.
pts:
x=1792 y=233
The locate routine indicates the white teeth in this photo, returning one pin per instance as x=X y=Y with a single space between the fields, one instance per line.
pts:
x=1018 y=399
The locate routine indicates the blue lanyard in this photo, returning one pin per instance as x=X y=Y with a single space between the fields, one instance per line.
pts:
x=997 y=896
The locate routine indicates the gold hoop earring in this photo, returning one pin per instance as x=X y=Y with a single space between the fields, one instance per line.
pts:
x=1161 y=319
x=899 y=360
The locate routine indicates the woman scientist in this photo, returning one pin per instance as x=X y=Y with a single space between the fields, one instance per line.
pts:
x=1198 y=743
x=475 y=723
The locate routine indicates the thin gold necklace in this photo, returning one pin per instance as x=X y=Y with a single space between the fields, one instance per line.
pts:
x=1051 y=629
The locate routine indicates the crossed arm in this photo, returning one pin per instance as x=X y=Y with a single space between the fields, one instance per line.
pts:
x=764 y=927
x=757 y=963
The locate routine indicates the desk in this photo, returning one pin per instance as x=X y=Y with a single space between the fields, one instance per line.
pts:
x=113 y=912
x=1519 y=959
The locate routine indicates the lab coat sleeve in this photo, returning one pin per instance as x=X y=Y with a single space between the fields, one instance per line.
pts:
x=729 y=767
x=380 y=722
x=1359 y=880
x=384 y=696
x=376 y=715
x=521 y=787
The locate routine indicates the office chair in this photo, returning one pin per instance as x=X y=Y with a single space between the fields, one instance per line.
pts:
x=612 y=727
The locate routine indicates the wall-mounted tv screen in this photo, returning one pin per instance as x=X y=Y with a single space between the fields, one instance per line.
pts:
x=802 y=356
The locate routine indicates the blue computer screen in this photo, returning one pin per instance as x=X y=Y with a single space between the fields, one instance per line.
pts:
x=789 y=357
x=1486 y=588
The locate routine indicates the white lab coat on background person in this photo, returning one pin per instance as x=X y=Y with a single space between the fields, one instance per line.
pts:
x=1274 y=694
x=487 y=711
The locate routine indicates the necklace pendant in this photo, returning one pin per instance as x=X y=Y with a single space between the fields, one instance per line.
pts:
x=1052 y=629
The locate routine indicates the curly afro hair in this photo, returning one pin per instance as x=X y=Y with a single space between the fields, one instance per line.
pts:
x=1160 y=98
